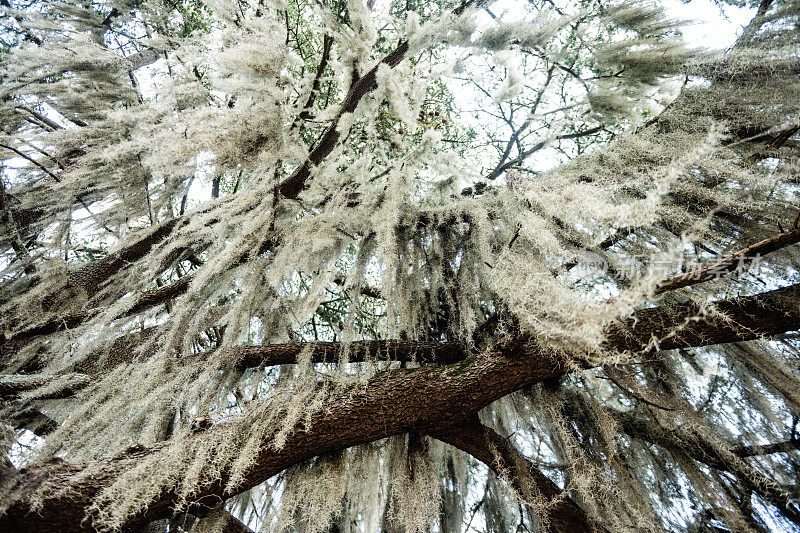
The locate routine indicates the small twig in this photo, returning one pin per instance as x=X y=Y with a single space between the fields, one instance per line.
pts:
x=31 y=160
x=730 y=263
x=779 y=141
x=609 y=373
x=516 y=234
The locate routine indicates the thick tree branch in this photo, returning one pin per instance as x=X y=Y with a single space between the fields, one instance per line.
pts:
x=670 y=327
x=63 y=386
x=657 y=328
x=422 y=400
x=662 y=328
x=91 y=277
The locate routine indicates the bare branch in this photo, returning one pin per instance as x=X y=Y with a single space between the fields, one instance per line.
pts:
x=355 y=416
x=500 y=455
x=767 y=449
x=730 y=263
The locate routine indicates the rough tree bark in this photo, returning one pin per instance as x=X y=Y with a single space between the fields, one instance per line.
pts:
x=423 y=400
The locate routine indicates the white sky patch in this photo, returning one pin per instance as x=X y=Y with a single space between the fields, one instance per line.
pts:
x=147 y=78
x=709 y=25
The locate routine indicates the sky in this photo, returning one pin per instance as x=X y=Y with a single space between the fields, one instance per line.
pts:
x=708 y=26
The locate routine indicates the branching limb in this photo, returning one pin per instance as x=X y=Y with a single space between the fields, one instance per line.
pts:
x=500 y=455
x=356 y=416
x=305 y=114
x=63 y=386
x=665 y=327
x=767 y=449
x=146 y=300
x=730 y=263
x=91 y=277
x=696 y=446
x=296 y=182
x=44 y=122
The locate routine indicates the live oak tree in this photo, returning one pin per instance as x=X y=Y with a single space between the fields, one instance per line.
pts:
x=262 y=268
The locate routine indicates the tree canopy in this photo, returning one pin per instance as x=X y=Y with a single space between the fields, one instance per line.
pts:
x=399 y=266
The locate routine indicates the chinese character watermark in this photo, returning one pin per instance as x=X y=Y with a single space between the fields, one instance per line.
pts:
x=689 y=267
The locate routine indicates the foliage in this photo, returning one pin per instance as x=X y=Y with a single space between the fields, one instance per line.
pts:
x=190 y=184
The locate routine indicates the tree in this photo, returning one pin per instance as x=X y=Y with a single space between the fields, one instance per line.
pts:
x=261 y=269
